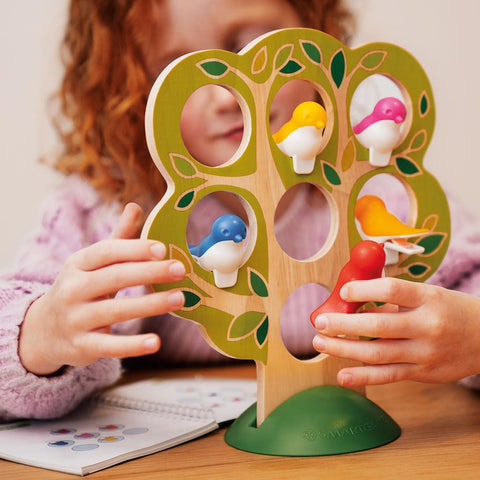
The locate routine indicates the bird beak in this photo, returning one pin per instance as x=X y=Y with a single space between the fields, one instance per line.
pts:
x=320 y=125
x=238 y=238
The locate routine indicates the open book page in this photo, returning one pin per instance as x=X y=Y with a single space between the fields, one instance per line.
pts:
x=125 y=422
x=97 y=436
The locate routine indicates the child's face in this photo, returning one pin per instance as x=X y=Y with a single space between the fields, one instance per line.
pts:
x=212 y=122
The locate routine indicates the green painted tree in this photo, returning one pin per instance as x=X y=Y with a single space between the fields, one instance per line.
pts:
x=243 y=321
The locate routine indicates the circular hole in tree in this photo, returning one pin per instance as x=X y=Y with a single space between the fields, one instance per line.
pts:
x=288 y=96
x=302 y=221
x=392 y=192
x=208 y=209
x=213 y=126
x=296 y=329
x=383 y=213
x=218 y=235
x=379 y=116
x=299 y=123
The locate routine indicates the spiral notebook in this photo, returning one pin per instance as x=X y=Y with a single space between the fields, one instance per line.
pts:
x=126 y=422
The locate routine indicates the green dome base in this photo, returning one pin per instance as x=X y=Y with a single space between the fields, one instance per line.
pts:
x=325 y=420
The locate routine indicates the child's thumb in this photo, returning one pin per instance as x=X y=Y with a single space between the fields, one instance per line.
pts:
x=130 y=222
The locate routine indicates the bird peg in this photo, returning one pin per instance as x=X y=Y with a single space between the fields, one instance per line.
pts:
x=222 y=251
x=301 y=138
x=376 y=223
x=381 y=130
x=367 y=260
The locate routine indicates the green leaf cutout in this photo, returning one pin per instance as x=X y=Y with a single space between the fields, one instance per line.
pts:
x=259 y=61
x=407 y=166
x=330 y=174
x=418 y=269
x=191 y=299
x=312 y=52
x=184 y=166
x=373 y=60
x=431 y=243
x=283 y=55
x=337 y=68
x=431 y=222
x=418 y=141
x=292 y=66
x=423 y=104
x=214 y=68
x=185 y=200
x=262 y=332
x=349 y=155
x=245 y=324
x=258 y=285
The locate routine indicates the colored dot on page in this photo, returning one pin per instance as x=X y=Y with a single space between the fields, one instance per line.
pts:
x=87 y=435
x=110 y=439
x=111 y=427
x=61 y=443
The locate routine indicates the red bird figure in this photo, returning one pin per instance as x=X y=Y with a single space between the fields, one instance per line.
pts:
x=367 y=260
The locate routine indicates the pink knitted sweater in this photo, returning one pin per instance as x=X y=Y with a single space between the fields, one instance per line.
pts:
x=74 y=216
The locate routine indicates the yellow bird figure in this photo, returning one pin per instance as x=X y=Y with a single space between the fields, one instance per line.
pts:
x=301 y=138
x=378 y=224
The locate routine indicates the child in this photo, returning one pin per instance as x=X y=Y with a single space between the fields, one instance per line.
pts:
x=58 y=304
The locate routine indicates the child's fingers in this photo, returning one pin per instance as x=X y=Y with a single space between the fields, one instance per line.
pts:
x=386 y=289
x=129 y=223
x=376 y=325
x=108 y=312
x=378 y=352
x=108 y=252
x=375 y=375
x=100 y=345
x=122 y=275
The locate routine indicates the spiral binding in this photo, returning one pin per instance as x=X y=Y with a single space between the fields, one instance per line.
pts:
x=149 y=406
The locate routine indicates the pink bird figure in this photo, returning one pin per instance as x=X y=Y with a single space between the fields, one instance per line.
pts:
x=367 y=260
x=381 y=131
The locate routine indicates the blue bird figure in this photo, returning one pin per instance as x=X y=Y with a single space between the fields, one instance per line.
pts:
x=222 y=251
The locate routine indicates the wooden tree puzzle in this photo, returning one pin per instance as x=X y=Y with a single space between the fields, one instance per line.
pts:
x=243 y=320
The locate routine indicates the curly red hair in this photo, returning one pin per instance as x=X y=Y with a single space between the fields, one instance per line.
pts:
x=105 y=88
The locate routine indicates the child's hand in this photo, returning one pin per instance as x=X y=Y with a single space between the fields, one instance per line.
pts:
x=70 y=324
x=426 y=333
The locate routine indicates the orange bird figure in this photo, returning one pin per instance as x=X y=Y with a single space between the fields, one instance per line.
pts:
x=367 y=260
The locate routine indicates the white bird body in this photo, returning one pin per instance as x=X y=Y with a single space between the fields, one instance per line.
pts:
x=303 y=145
x=223 y=259
x=301 y=137
x=381 y=138
x=381 y=130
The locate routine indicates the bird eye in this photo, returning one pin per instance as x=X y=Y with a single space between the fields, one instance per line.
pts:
x=225 y=232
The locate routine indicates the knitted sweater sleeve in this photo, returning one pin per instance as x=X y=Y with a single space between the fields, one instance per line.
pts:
x=71 y=219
